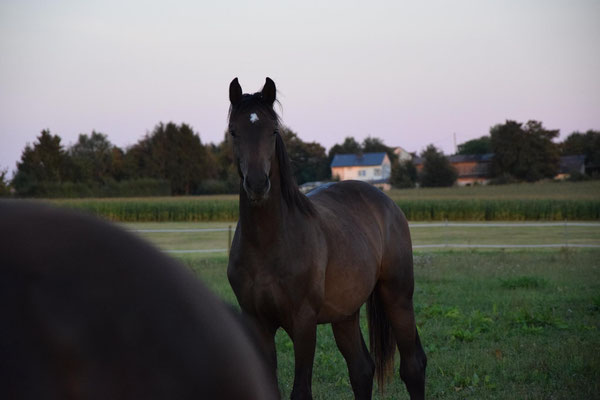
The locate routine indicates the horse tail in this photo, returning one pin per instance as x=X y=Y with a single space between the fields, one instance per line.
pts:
x=381 y=340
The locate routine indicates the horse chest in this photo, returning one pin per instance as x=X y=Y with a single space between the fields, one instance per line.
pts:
x=270 y=290
x=263 y=297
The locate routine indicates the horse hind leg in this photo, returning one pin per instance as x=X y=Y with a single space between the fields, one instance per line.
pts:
x=351 y=344
x=398 y=305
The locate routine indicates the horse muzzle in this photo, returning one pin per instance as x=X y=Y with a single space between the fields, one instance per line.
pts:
x=257 y=189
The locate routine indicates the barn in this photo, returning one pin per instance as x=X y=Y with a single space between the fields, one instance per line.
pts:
x=471 y=168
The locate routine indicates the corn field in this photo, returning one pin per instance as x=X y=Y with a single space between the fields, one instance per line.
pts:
x=226 y=209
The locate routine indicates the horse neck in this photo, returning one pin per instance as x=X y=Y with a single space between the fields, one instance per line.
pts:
x=262 y=223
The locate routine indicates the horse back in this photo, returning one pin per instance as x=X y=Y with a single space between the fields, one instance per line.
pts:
x=355 y=209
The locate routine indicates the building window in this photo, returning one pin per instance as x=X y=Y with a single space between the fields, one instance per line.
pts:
x=377 y=172
x=362 y=172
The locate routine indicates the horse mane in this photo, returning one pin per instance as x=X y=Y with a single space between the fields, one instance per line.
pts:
x=289 y=189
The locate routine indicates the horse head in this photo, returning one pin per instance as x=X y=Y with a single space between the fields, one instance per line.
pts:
x=254 y=127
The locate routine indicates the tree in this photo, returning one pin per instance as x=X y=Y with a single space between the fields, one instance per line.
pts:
x=225 y=177
x=174 y=153
x=524 y=152
x=376 y=145
x=45 y=162
x=587 y=144
x=482 y=145
x=350 y=146
x=4 y=183
x=437 y=170
x=404 y=174
x=94 y=158
x=308 y=159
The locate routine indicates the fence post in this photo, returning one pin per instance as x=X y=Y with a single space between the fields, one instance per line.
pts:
x=446 y=232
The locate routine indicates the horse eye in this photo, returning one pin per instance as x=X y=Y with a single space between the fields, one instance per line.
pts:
x=232 y=132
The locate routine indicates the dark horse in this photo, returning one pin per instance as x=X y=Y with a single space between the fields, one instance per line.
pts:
x=299 y=261
x=89 y=311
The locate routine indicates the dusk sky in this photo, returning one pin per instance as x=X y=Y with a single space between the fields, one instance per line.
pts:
x=411 y=73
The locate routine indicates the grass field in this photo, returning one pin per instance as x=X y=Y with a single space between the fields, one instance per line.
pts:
x=422 y=234
x=549 y=190
x=495 y=325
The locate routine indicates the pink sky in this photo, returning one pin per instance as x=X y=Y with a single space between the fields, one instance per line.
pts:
x=411 y=73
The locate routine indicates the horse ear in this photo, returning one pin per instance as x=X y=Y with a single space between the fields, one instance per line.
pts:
x=268 y=91
x=235 y=92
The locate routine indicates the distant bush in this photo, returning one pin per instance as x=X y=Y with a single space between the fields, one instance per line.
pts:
x=577 y=176
x=111 y=188
x=504 y=179
x=213 y=186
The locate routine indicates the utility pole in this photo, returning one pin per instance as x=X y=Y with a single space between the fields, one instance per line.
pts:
x=455 y=148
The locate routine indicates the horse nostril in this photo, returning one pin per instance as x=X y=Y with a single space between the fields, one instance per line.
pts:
x=257 y=187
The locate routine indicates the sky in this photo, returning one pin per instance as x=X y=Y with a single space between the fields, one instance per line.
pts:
x=410 y=73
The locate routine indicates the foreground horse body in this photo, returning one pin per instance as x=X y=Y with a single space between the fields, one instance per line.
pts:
x=299 y=261
x=89 y=311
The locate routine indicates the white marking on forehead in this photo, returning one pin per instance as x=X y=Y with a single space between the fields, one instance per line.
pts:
x=253 y=117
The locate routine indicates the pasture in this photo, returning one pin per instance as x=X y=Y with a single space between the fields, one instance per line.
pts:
x=495 y=324
x=423 y=234
x=498 y=324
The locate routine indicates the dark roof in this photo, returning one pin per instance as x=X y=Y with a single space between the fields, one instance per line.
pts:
x=571 y=163
x=357 y=160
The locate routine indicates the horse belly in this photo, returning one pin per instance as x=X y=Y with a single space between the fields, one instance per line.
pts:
x=347 y=288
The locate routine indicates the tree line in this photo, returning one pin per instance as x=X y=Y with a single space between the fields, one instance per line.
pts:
x=172 y=160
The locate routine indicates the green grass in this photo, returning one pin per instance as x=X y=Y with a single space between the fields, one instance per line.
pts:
x=528 y=201
x=549 y=190
x=522 y=282
x=495 y=325
x=421 y=235
x=511 y=235
x=185 y=240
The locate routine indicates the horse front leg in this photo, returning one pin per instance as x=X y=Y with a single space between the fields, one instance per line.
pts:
x=264 y=337
x=304 y=337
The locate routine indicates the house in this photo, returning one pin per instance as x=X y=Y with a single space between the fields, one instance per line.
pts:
x=374 y=168
x=476 y=168
x=402 y=154
x=569 y=165
x=472 y=168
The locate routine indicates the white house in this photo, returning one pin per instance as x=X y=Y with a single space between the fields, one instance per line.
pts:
x=402 y=154
x=374 y=168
